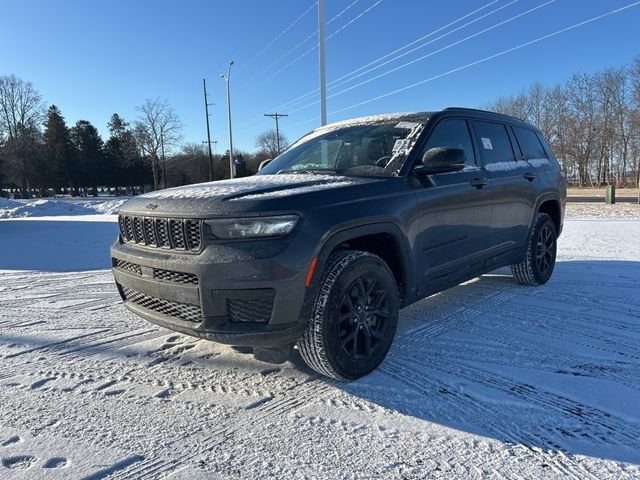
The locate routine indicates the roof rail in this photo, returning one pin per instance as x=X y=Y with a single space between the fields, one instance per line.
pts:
x=484 y=111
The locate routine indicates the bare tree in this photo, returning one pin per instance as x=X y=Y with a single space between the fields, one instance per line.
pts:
x=158 y=129
x=267 y=142
x=21 y=110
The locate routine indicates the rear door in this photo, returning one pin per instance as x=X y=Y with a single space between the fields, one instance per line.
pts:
x=453 y=212
x=512 y=187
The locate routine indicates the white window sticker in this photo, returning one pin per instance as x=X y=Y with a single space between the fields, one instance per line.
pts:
x=401 y=144
x=486 y=143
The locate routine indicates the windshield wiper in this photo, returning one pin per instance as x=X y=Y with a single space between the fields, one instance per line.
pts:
x=317 y=171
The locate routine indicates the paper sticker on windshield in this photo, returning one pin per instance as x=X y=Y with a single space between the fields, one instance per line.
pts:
x=407 y=125
x=486 y=143
x=401 y=144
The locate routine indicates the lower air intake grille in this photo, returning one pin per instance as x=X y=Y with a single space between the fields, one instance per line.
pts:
x=127 y=266
x=182 y=311
x=254 y=310
x=176 y=277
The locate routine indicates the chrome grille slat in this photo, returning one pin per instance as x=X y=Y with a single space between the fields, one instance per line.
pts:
x=160 y=232
x=182 y=311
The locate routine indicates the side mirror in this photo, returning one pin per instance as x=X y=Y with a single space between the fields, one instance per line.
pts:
x=264 y=163
x=441 y=160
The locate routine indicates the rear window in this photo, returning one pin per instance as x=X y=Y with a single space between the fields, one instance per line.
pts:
x=493 y=141
x=530 y=144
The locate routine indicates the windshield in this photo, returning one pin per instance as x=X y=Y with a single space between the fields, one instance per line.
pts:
x=363 y=150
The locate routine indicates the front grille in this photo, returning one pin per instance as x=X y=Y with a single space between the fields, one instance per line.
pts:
x=158 y=273
x=170 y=233
x=127 y=266
x=175 y=277
x=253 y=310
x=182 y=311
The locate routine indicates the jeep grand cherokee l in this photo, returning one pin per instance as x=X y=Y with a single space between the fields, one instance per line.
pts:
x=353 y=222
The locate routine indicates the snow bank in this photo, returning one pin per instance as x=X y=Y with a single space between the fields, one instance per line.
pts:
x=55 y=208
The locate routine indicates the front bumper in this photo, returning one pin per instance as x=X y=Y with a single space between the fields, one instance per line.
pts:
x=243 y=293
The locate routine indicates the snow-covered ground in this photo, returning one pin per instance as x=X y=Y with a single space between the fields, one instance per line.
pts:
x=488 y=379
x=55 y=207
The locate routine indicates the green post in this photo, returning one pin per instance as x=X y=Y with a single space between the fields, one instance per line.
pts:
x=610 y=194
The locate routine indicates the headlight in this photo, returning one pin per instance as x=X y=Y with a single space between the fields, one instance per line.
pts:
x=256 y=227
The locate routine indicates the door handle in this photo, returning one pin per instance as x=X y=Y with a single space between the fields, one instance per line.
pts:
x=479 y=182
x=530 y=176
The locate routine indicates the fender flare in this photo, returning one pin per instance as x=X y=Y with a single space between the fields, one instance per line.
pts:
x=550 y=196
x=340 y=235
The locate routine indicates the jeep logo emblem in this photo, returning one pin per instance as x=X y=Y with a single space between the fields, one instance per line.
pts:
x=152 y=206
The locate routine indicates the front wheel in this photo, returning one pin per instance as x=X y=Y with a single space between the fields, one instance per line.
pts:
x=540 y=257
x=355 y=316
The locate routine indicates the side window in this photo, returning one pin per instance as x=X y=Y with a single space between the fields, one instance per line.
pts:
x=494 y=144
x=453 y=133
x=531 y=146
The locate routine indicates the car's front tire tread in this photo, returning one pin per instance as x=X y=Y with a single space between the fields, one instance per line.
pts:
x=312 y=344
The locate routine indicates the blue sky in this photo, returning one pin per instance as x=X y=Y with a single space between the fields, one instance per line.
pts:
x=95 y=58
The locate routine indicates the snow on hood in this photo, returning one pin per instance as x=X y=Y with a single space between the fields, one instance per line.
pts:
x=255 y=187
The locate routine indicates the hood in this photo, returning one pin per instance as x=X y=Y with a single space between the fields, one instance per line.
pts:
x=242 y=195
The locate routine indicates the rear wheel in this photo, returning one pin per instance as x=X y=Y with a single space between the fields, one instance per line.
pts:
x=355 y=316
x=540 y=258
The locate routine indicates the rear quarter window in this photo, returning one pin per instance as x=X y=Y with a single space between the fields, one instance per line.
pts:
x=531 y=146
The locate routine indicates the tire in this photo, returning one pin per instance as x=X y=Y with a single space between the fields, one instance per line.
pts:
x=540 y=258
x=344 y=339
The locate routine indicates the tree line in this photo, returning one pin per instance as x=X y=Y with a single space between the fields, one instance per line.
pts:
x=40 y=155
x=592 y=122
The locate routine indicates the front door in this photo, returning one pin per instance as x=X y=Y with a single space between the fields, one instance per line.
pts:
x=453 y=212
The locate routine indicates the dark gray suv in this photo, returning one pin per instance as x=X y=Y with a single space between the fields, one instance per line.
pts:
x=355 y=221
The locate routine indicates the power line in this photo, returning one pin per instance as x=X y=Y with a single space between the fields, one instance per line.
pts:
x=359 y=71
x=307 y=52
x=277 y=37
x=486 y=59
x=415 y=60
x=337 y=82
x=302 y=42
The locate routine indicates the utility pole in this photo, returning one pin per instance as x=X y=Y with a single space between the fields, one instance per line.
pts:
x=227 y=78
x=277 y=116
x=206 y=111
x=323 y=78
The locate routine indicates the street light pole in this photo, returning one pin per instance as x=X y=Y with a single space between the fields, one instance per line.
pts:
x=277 y=116
x=322 y=64
x=206 y=111
x=227 y=78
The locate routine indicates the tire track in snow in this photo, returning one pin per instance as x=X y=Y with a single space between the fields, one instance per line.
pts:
x=280 y=405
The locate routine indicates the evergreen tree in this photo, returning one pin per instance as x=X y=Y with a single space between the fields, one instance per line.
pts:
x=89 y=151
x=59 y=152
